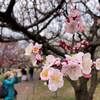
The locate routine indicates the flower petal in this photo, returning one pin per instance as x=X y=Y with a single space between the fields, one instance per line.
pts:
x=98 y=64
x=86 y=63
x=52 y=87
x=50 y=60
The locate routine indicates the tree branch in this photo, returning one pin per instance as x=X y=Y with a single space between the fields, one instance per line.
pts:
x=10 y=7
x=49 y=14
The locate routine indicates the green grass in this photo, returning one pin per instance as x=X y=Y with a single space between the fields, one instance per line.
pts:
x=42 y=92
x=66 y=93
x=1 y=77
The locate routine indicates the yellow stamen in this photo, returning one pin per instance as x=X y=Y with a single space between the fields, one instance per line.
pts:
x=36 y=50
x=55 y=78
x=45 y=73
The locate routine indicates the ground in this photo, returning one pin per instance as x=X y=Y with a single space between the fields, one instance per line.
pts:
x=35 y=90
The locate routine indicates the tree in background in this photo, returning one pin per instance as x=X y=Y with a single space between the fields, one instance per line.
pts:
x=11 y=55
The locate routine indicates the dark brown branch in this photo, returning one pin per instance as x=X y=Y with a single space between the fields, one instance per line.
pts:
x=10 y=7
x=12 y=24
x=48 y=15
x=45 y=26
x=89 y=11
x=93 y=83
x=11 y=39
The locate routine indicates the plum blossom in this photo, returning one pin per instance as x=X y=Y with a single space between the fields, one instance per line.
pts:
x=44 y=75
x=77 y=65
x=55 y=80
x=36 y=48
x=38 y=57
x=73 y=70
x=74 y=66
x=64 y=45
x=28 y=49
x=76 y=57
x=98 y=64
x=80 y=45
x=74 y=22
x=86 y=63
x=35 y=58
x=50 y=60
x=34 y=52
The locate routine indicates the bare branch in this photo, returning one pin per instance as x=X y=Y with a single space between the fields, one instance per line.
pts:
x=10 y=7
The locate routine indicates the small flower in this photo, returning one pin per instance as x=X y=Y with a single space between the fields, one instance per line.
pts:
x=44 y=75
x=55 y=80
x=38 y=57
x=74 y=22
x=73 y=70
x=36 y=48
x=50 y=60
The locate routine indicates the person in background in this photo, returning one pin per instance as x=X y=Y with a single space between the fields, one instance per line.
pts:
x=24 y=74
x=10 y=79
x=19 y=73
x=31 y=71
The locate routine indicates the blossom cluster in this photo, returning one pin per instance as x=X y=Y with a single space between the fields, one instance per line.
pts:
x=52 y=74
x=81 y=46
x=54 y=69
x=76 y=48
x=74 y=22
x=74 y=67
x=34 y=52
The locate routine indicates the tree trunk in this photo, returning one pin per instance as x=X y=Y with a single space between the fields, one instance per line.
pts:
x=82 y=94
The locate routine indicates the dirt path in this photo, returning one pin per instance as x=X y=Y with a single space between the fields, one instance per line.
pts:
x=25 y=90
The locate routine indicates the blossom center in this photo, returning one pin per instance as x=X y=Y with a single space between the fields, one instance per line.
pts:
x=55 y=78
x=36 y=50
x=45 y=73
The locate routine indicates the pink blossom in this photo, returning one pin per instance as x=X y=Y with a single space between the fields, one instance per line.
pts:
x=74 y=13
x=37 y=47
x=80 y=27
x=64 y=45
x=74 y=22
x=86 y=63
x=50 y=60
x=87 y=75
x=38 y=57
x=55 y=79
x=44 y=75
x=73 y=70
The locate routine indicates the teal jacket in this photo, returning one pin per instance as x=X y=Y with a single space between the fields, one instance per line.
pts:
x=9 y=85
